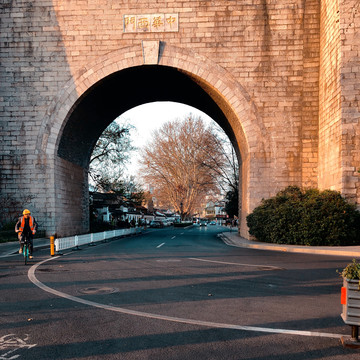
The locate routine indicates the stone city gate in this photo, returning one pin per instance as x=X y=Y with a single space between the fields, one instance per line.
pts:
x=280 y=76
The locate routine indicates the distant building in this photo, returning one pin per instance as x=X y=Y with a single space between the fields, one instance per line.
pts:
x=215 y=210
x=113 y=208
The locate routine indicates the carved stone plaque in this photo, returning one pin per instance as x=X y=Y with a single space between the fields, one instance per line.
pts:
x=151 y=23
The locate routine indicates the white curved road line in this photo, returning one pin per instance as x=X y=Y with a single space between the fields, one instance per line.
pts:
x=266 y=267
x=35 y=281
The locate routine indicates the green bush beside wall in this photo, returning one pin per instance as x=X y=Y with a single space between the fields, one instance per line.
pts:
x=306 y=217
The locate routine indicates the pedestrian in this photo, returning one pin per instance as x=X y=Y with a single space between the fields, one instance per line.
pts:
x=26 y=228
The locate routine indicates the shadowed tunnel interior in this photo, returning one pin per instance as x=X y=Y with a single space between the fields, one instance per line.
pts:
x=122 y=91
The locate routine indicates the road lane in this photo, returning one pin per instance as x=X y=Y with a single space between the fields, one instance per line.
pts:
x=236 y=287
x=34 y=280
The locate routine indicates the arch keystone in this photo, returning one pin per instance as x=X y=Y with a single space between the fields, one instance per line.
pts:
x=150 y=51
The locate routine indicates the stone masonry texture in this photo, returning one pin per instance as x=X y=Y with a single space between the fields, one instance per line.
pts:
x=280 y=76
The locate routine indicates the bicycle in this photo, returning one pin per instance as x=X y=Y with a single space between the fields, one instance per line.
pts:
x=26 y=250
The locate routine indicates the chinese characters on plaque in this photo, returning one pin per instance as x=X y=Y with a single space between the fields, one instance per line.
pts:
x=151 y=23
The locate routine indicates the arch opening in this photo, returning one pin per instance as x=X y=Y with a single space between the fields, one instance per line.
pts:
x=106 y=100
x=122 y=91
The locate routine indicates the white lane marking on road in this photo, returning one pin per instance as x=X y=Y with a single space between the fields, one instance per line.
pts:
x=173 y=237
x=159 y=246
x=35 y=281
x=11 y=341
x=239 y=264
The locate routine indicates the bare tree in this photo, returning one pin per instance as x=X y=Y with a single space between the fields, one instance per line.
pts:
x=225 y=169
x=221 y=160
x=109 y=156
x=175 y=164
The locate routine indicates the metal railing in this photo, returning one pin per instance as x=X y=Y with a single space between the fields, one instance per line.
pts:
x=88 y=239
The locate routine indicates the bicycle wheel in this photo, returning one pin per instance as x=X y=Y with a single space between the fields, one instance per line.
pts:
x=26 y=253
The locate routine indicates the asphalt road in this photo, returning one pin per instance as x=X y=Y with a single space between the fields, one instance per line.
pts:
x=172 y=294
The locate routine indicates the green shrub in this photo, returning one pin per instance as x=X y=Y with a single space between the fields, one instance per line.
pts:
x=310 y=217
x=352 y=271
x=99 y=226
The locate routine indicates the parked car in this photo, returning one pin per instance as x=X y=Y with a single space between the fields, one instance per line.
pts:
x=213 y=222
x=168 y=222
x=156 y=224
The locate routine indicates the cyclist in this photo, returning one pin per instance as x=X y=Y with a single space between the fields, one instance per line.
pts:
x=26 y=228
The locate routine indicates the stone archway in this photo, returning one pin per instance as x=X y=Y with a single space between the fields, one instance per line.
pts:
x=223 y=98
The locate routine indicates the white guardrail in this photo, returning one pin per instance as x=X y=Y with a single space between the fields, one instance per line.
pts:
x=78 y=240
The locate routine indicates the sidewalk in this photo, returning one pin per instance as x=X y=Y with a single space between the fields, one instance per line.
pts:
x=10 y=248
x=234 y=239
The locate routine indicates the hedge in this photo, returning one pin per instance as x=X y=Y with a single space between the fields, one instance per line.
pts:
x=306 y=217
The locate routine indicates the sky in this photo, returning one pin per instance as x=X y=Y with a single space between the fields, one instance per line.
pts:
x=149 y=117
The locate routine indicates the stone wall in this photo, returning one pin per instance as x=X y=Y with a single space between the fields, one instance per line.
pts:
x=339 y=157
x=71 y=198
x=33 y=70
x=350 y=98
x=330 y=98
x=283 y=72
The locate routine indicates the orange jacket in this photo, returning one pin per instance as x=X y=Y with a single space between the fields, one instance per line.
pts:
x=19 y=227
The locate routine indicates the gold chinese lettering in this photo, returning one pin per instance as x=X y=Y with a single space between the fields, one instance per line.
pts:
x=130 y=22
x=171 y=20
x=157 y=22
x=143 y=23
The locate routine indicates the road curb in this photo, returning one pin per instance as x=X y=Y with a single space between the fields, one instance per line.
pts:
x=235 y=240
